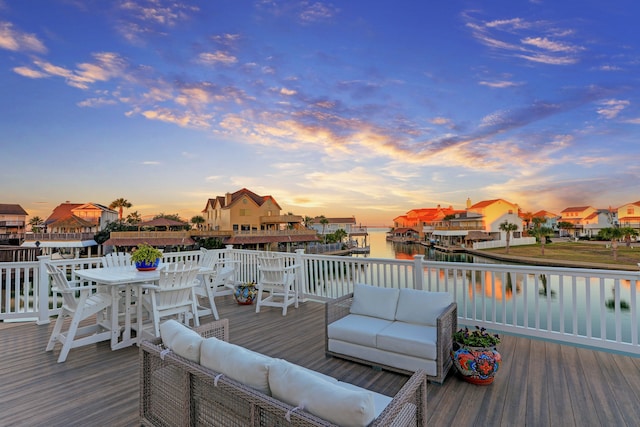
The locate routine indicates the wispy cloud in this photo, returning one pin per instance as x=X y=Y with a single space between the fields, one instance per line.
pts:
x=535 y=41
x=19 y=41
x=142 y=18
x=612 y=107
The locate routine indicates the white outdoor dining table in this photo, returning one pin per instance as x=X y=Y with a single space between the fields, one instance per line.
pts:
x=116 y=278
x=132 y=280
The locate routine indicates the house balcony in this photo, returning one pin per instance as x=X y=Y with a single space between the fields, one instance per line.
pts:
x=32 y=237
x=281 y=219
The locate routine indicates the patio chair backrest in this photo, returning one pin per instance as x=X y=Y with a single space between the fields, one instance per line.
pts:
x=272 y=270
x=60 y=281
x=176 y=283
x=207 y=258
x=117 y=259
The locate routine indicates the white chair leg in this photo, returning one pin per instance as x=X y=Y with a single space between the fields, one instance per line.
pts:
x=259 y=300
x=71 y=336
x=56 y=331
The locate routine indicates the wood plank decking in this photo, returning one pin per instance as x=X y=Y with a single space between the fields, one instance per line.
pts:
x=539 y=384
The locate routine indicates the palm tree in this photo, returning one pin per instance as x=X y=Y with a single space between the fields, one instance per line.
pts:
x=134 y=218
x=613 y=234
x=120 y=204
x=340 y=234
x=528 y=218
x=324 y=221
x=198 y=220
x=541 y=232
x=508 y=227
x=308 y=221
x=36 y=224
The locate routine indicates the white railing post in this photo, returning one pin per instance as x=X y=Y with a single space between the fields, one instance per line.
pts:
x=43 y=291
x=418 y=272
x=300 y=275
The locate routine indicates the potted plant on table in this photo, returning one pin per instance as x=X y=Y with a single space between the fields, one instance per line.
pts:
x=475 y=355
x=146 y=257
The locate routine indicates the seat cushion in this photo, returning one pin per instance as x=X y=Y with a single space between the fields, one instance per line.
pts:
x=182 y=340
x=238 y=363
x=357 y=329
x=421 y=307
x=375 y=302
x=410 y=339
x=324 y=399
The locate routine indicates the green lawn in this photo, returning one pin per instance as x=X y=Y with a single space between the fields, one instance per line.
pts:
x=576 y=251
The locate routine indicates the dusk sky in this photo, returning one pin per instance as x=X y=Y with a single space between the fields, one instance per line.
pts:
x=342 y=108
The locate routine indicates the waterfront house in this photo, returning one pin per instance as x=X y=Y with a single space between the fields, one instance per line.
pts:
x=254 y=221
x=332 y=225
x=587 y=220
x=12 y=222
x=549 y=219
x=71 y=227
x=629 y=215
x=496 y=212
x=425 y=220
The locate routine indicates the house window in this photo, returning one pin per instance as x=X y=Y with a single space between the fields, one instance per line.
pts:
x=245 y=212
x=630 y=211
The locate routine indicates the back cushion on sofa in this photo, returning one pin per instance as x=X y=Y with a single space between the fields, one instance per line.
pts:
x=238 y=363
x=375 y=302
x=324 y=399
x=182 y=340
x=422 y=307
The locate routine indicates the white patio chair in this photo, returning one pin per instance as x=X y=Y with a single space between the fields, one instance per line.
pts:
x=117 y=259
x=279 y=281
x=79 y=308
x=173 y=296
x=219 y=283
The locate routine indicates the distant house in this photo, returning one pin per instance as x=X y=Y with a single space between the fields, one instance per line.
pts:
x=403 y=234
x=549 y=219
x=601 y=218
x=253 y=220
x=495 y=212
x=425 y=220
x=586 y=220
x=347 y=224
x=79 y=218
x=629 y=215
x=71 y=227
x=12 y=219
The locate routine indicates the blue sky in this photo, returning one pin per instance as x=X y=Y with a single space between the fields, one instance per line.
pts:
x=334 y=108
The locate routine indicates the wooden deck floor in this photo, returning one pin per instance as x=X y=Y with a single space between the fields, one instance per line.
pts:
x=540 y=383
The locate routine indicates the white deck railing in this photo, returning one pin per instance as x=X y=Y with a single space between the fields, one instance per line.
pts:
x=596 y=308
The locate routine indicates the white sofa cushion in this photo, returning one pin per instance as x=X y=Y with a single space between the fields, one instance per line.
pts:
x=319 y=397
x=421 y=307
x=380 y=401
x=357 y=329
x=375 y=302
x=238 y=363
x=182 y=340
x=311 y=371
x=409 y=338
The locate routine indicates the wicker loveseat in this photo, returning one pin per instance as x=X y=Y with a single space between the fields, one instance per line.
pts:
x=176 y=391
x=402 y=330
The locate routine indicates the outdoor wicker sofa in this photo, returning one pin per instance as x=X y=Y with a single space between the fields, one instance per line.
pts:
x=400 y=330
x=176 y=391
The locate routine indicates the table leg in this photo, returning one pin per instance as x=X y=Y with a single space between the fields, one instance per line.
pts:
x=115 y=326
